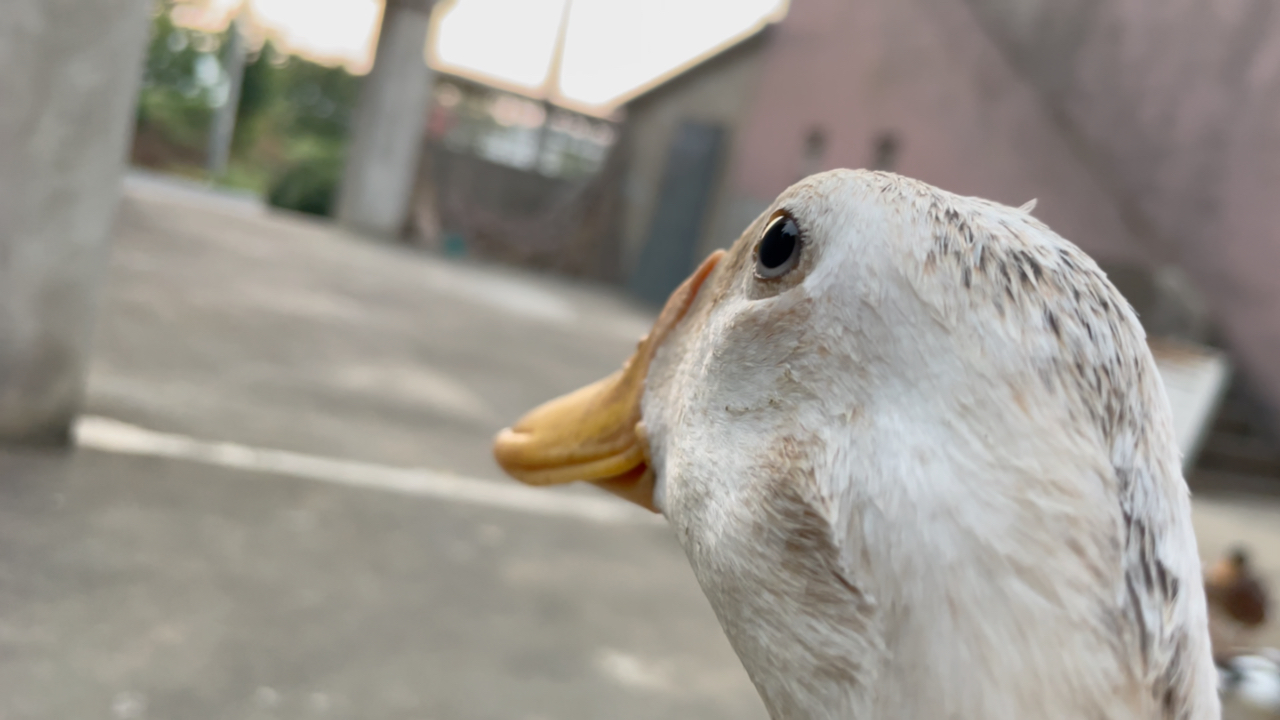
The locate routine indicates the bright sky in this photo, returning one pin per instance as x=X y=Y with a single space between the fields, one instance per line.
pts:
x=611 y=46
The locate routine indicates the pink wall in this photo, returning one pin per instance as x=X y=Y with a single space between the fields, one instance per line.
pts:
x=1179 y=100
x=926 y=71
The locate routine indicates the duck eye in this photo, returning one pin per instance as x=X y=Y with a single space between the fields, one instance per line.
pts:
x=779 y=248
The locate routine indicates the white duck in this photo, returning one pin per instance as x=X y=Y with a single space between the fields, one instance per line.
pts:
x=1250 y=684
x=919 y=457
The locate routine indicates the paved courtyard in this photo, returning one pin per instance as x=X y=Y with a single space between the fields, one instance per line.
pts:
x=283 y=505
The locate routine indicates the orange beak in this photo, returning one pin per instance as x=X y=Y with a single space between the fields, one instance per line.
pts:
x=595 y=433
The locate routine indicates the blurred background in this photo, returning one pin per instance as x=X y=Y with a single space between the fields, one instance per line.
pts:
x=273 y=272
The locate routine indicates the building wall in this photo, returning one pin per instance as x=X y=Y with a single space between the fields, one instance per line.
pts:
x=928 y=73
x=717 y=91
x=1179 y=101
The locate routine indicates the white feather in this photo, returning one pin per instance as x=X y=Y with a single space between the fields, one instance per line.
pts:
x=932 y=473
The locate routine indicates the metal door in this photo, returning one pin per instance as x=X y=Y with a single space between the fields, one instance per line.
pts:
x=687 y=187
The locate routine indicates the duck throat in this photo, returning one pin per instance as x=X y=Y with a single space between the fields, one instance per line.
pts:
x=889 y=610
x=810 y=640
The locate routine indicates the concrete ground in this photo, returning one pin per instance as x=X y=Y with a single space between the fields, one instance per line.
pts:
x=284 y=506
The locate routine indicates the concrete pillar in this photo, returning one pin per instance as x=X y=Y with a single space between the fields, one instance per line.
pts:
x=387 y=132
x=223 y=129
x=69 y=73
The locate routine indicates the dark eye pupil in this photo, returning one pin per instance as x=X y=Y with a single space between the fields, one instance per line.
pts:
x=779 y=243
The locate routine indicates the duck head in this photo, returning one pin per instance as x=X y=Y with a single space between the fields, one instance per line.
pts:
x=886 y=426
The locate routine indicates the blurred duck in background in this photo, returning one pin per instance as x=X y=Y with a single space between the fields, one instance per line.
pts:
x=1239 y=606
x=1249 y=683
x=1238 y=601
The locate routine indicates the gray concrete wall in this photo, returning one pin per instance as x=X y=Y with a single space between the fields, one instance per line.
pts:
x=1177 y=105
x=386 y=143
x=69 y=72
x=716 y=92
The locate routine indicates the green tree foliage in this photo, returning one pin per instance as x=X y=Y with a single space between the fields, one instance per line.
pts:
x=257 y=90
x=291 y=125
x=173 y=101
